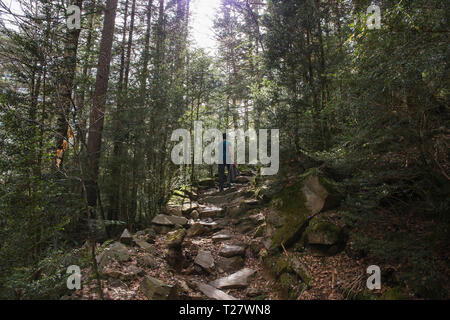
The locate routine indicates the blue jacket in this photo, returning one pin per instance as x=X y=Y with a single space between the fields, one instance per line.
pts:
x=225 y=152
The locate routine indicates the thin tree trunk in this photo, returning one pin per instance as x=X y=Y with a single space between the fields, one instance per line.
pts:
x=146 y=53
x=116 y=167
x=81 y=125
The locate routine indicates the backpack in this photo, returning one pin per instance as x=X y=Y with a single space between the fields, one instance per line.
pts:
x=234 y=172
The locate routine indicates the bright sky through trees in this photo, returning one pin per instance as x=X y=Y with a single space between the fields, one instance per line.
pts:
x=203 y=13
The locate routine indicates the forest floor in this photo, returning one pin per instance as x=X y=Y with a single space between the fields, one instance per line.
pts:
x=212 y=232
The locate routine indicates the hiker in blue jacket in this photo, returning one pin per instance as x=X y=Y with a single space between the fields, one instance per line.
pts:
x=226 y=155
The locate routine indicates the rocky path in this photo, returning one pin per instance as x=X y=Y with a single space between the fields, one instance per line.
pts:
x=207 y=248
x=218 y=245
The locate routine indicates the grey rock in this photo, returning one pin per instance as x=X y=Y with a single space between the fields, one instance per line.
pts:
x=212 y=212
x=221 y=237
x=155 y=289
x=187 y=208
x=214 y=293
x=234 y=281
x=143 y=244
x=252 y=202
x=257 y=218
x=197 y=229
x=231 y=251
x=126 y=238
x=162 y=220
x=173 y=210
x=230 y=264
x=115 y=251
x=182 y=221
x=205 y=260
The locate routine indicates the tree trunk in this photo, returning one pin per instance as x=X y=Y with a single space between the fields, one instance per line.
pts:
x=65 y=90
x=99 y=100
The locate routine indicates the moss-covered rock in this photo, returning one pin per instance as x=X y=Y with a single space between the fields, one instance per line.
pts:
x=323 y=233
x=301 y=271
x=281 y=265
x=155 y=289
x=175 y=238
x=291 y=208
x=289 y=284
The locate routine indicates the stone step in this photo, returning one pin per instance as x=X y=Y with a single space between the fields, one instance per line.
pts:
x=231 y=251
x=213 y=293
x=236 y=280
x=221 y=237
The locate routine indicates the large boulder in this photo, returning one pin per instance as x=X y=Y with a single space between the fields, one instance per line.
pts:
x=304 y=196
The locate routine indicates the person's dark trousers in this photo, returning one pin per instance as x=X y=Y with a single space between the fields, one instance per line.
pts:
x=222 y=174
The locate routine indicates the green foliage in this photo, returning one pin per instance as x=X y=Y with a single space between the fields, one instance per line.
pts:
x=45 y=280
